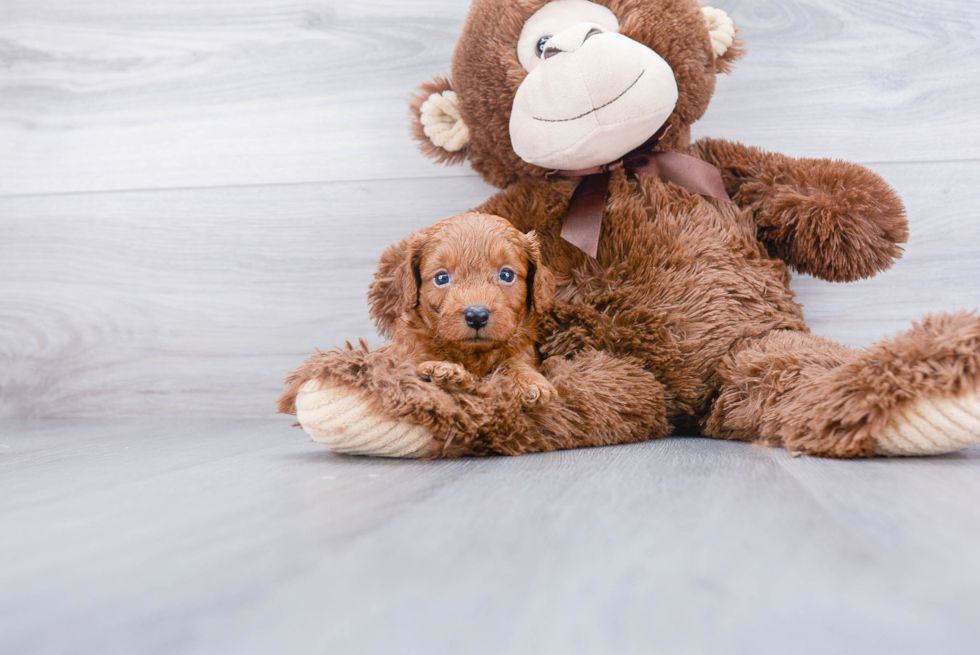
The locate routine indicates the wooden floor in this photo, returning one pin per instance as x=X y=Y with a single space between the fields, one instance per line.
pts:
x=197 y=536
x=193 y=196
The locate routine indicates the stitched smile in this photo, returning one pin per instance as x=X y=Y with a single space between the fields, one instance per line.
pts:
x=592 y=111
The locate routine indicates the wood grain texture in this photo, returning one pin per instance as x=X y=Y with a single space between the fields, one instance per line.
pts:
x=243 y=537
x=107 y=95
x=191 y=301
x=183 y=296
x=863 y=80
x=104 y=95
x=200 y=301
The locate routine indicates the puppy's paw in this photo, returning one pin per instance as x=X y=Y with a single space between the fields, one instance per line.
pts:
x=551 y=364
x=445 y=374
x=537 y=394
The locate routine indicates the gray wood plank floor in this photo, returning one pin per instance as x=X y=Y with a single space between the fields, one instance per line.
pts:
x=207 y=536
x=193 y=196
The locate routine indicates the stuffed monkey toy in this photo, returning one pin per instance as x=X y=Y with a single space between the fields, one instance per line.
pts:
x=673 y=309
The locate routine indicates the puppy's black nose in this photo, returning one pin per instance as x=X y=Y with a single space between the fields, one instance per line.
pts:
x=477 y=317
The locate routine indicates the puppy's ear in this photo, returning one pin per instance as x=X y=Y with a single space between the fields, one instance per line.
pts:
x=437 y=124
x=540 y=281
x=397 y=283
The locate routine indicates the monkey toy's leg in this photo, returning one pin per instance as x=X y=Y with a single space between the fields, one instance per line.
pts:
x=915 y=394
x=599 y=400
x=369 y=403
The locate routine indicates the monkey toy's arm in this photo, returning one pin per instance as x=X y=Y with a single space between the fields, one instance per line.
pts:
x=831 y=219
x=364 y=402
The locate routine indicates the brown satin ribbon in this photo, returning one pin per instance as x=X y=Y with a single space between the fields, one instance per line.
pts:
x=583 y=222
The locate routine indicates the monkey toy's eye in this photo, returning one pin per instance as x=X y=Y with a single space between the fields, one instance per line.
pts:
x=507 y=276
x=441 y=279
x=541 y=44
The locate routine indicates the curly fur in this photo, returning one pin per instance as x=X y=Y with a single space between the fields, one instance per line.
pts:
x=431 y=329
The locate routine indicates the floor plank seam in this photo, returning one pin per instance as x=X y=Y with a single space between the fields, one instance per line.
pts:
x=471 y=175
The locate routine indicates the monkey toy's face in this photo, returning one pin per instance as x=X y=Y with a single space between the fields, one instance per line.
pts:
x=591 y=94
x=572 y=84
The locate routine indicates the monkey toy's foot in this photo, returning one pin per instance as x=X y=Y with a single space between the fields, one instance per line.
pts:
x=346 y=421
x=932 y=426
x=915 y=394
x=363 y=402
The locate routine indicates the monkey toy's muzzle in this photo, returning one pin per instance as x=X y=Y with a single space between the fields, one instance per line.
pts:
x=595 y=96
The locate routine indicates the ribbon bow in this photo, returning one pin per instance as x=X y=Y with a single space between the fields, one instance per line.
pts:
x=583 y=222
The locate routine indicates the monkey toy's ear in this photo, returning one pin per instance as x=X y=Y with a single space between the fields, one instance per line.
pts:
x=540 y=281
x=397 y=283
x=725 y=43
x=437 y=124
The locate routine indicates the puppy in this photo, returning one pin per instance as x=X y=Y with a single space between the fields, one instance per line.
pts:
x=473 y=291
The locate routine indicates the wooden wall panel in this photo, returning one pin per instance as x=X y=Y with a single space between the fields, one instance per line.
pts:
x=193 y=194
x=199 y=301
x=103 y=95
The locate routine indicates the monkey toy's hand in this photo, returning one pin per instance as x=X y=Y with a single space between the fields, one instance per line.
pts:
x=834 y=220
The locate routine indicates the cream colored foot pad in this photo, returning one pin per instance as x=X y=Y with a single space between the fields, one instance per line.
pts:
x=345 y=423
x=933 y=426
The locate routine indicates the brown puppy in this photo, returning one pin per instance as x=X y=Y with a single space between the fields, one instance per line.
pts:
x=473 y=291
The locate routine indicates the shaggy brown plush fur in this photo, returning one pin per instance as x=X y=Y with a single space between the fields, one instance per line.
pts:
x=796 y=389
x=688 y=302
x=830 y=219
x=600 y=400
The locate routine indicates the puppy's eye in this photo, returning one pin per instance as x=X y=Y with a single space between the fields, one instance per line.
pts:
x=507 y=276
x=541 y=44
x=442 y=279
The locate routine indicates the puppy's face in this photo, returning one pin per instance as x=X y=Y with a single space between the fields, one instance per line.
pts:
x=474 y=279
